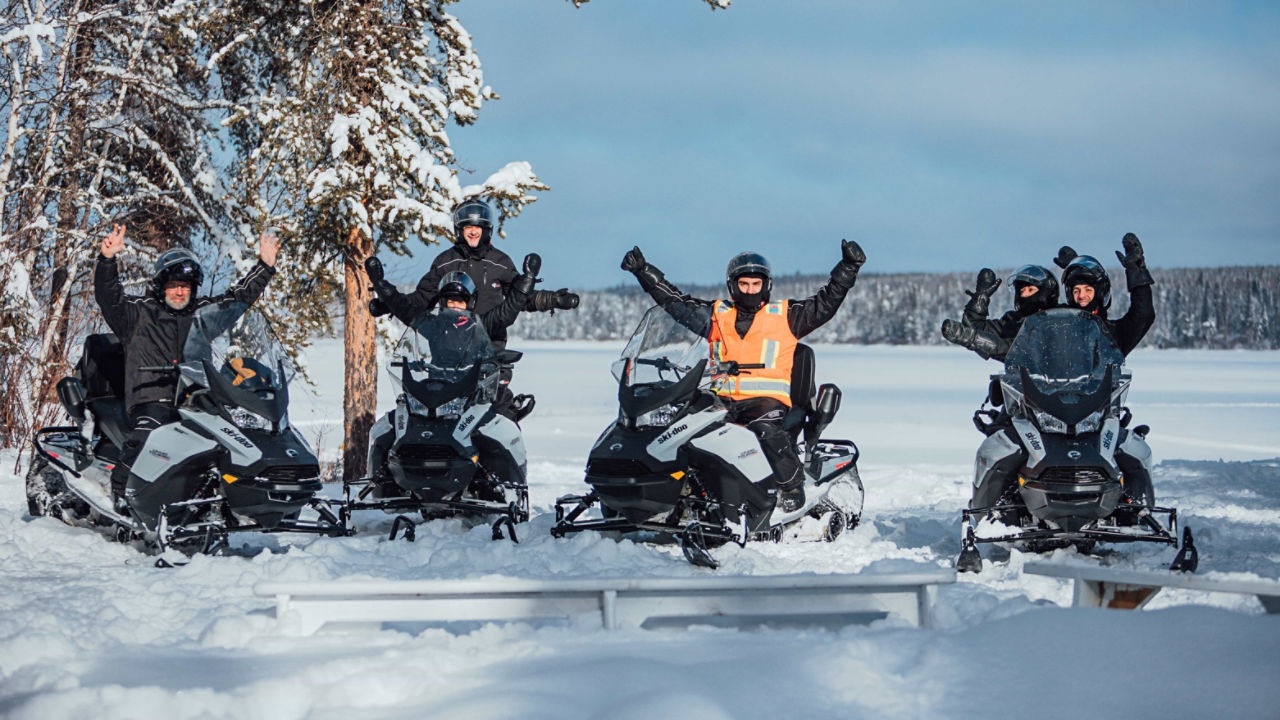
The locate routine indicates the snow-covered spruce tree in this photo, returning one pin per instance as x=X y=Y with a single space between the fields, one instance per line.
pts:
x=106 y=123
x=343 y=144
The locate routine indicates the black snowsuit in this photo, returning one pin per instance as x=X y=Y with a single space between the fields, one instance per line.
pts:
x=763 y=416
x=153 y=335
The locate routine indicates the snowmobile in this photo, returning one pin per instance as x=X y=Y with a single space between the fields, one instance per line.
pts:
x=672 y=465
x=444 y=449
x=232 y=463
x=1060 y=466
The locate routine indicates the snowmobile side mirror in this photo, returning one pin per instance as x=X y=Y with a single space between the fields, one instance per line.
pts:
x=824 y=411
x=995 y=392
x=71 y=394
x=828 y=403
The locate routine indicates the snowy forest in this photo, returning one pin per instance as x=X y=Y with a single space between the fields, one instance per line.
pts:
x=1214 y=308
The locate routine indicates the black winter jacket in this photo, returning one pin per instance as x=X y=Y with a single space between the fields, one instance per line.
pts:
x=152 y=333
x=496 y=319
x=803 y=316
x=1127 y=331
x=493 y=272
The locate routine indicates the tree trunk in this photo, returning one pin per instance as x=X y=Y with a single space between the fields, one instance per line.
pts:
x=360 y=380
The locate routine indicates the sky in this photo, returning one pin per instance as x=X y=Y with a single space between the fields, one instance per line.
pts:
x=941 y=136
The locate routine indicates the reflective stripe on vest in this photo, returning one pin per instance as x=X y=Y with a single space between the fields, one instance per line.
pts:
x=769 y=342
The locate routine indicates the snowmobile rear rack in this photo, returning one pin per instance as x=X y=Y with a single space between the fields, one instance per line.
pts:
x=647 y=603
x=1126 y=589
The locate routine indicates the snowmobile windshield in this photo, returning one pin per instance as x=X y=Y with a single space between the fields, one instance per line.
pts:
x=232 y=351
x=661 y=367
x=660 y=351
x=444 y=356
x=1063 y=344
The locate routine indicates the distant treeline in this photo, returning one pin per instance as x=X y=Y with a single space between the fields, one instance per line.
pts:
x=1232 y=307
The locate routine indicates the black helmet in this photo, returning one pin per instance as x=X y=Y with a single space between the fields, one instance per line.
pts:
x=1036 y=276
x=750 y=264
x=473 y=212
x=1086 y=270
x=177 y=264
x=457 y=285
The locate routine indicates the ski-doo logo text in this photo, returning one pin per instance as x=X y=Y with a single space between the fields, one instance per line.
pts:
x=161 y=454
x=672 y=433
x=240 y=440
x=1108 y=438
x=1033 y=441
x=465 y=425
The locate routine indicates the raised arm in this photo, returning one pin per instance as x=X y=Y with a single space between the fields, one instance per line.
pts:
x=117 y=310
x=250 y=287
x=809 y=314
x=517 y=298
x=1133 y=326
x=690 y=312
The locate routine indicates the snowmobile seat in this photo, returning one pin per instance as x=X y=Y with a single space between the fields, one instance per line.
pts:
x=802 y=371
x=101 y=372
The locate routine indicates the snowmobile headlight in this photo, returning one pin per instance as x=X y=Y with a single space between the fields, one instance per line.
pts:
x=1091 y=423
x=453 y=408
x=246 y=420
x=659 y=417
x=1049 y=423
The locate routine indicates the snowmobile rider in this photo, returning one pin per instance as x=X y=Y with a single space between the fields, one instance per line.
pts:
x=493 y=273
x=456 y=290
x=153 y=329
x=1034 y=289
x=744 y=329
x=489 y=268
x=1089 y=288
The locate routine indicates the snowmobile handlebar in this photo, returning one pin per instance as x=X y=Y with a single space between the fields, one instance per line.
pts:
x=733 y=367
x=160 y=368
x=663 y=364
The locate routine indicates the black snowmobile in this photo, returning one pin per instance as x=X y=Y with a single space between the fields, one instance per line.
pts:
x=445 y=450
x=1060 y=466
x=231 y=464
x=673 y=466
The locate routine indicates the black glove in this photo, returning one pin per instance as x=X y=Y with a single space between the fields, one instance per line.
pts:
x=986 y=285
x=373 y=267
x=958 y=333
x=532 y=264
x=1065 y=256
x=566 y=300
x=633 y=261
x=377 y=308
x=1135 y=263
x=852 y=253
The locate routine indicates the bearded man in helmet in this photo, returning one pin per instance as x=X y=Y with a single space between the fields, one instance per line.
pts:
x=748 y=327
x=153 y=329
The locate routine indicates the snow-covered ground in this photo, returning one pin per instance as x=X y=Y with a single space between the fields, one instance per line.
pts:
x=89 y=628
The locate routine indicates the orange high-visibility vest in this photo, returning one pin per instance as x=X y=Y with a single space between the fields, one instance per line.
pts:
x=769 y=342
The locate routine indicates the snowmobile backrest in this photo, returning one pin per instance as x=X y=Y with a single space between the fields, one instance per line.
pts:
x=71 y=395
x=802 y=374
x=102 y=367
